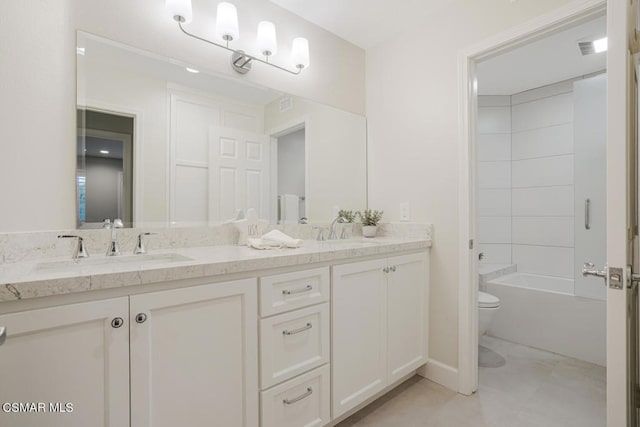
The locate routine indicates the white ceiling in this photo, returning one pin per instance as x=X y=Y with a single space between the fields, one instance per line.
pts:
x=364 y=23
x=549 y=60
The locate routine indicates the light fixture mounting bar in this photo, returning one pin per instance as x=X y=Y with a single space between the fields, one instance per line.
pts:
x=248 y=58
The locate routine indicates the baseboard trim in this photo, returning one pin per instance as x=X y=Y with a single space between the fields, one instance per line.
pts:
x=440 y=373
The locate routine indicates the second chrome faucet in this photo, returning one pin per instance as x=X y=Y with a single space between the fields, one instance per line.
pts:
x=113 y=249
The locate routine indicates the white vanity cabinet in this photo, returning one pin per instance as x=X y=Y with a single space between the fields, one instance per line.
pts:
x=74 y=354
x=379 y=325
x=194 y=356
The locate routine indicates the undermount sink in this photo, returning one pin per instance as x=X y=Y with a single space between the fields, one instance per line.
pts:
x=143 y=260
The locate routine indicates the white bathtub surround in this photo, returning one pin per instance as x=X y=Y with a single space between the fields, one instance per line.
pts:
x=535 y=312
x=532 y=223
x=494 y=178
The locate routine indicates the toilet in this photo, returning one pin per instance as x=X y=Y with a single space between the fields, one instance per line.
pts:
x=487 y=306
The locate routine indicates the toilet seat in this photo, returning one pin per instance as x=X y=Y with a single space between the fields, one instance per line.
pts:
x=486 y=300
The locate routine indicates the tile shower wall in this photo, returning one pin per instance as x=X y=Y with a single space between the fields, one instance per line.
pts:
x=525 y=175
x=494 y=178
x=542 y=181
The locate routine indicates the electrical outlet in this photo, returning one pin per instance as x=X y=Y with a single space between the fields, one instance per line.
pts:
x=405 y=214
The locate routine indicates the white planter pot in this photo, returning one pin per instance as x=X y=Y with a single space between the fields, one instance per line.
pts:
x=369 y=230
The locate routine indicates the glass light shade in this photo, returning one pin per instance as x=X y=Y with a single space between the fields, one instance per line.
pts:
x=267 y=42
x=180 y=8
x=227 y=22
x=300 y=52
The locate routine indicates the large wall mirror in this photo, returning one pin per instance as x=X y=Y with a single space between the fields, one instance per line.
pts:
x=163 y=143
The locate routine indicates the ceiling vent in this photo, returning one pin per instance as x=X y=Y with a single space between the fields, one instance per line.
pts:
x=593 y=46
x=586 y=48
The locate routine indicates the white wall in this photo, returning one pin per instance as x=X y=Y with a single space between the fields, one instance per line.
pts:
x=37 y=109
x=291 y=163
x=494 y=179
x=412 y=111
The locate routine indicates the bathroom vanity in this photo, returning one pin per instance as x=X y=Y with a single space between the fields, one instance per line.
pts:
x=222 y=334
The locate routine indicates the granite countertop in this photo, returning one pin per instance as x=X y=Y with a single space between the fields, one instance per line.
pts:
x=57 y=276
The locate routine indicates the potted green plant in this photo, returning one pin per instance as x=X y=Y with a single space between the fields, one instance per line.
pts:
x=370 y=220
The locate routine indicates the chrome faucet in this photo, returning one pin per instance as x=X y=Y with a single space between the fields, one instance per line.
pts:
x=140 y=248
x=114 y=248
x=80 y=250
x=332 y=234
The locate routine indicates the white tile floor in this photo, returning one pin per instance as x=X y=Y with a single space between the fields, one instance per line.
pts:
x=533 y=388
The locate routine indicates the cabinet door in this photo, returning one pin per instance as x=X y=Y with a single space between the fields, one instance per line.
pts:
x=359 y=332
x=194 y=358
x=406 y=315
x=66 y=355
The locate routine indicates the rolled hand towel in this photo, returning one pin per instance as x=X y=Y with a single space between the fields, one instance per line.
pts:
x=277 y=236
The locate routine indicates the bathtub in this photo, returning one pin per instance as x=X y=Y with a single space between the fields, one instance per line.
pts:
x=543 y=312
x=536 y=282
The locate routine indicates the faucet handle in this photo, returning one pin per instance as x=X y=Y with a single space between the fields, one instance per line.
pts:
x=117 y=223
x=140 y=249
x=320 y=233
x=80 y=250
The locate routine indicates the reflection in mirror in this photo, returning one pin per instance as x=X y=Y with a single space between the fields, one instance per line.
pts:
x=198 y=147
x=291 y=183
x=105 y=168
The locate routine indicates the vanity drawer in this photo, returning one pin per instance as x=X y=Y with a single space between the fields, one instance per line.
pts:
x=289 y=291
x=302 y=401
x=293 y=343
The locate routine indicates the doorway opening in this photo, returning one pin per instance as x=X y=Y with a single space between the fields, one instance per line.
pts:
x=533 y=196
x=290 y=183
x=104 y=172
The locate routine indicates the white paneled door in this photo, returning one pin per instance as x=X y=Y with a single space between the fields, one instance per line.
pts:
x=238 y=172
x=218 y=160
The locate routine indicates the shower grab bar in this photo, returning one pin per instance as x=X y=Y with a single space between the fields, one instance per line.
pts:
x=587 y=209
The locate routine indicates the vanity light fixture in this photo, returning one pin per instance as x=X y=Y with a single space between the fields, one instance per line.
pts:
x=227 y=30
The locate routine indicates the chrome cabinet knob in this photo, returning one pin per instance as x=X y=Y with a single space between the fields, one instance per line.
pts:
x=117 y=322
x=141 y=318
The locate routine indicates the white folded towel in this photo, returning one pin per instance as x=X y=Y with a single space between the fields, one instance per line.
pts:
x=273 y=240
x=261 y=244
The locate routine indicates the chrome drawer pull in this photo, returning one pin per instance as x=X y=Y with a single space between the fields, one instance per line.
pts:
x=3 y=334
x=297 y=331
x=297 y=291
x=308 y=393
